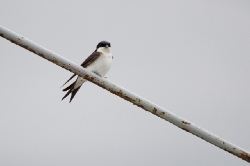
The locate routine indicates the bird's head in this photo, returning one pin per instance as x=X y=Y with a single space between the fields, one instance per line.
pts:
x=103 y=44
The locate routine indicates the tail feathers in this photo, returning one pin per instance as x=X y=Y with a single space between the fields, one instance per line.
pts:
x=71 y=86
x=74 y=93
x=71 y=90
x=66 y=94
x=69 y=80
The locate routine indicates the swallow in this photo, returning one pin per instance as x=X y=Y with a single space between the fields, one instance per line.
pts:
x=98 y=62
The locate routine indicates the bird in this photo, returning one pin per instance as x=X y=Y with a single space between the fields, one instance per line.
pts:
x=98 y=62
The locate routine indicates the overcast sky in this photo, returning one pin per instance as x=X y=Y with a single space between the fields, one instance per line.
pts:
x=190 y=57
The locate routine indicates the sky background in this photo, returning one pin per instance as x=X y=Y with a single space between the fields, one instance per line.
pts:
x=190 y=57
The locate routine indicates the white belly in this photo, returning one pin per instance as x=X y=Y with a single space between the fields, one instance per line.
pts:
x=101 y=66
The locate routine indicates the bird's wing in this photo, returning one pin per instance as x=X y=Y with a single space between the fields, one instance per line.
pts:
x=87 y=62
x=90 y=59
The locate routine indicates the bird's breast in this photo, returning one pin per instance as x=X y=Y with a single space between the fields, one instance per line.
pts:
x=102 y=65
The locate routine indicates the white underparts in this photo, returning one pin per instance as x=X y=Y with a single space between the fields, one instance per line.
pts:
x=100 y=66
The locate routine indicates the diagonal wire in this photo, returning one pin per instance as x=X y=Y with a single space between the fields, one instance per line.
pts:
x=125 y=94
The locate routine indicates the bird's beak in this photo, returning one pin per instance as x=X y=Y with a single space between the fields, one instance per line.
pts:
x=106 y=46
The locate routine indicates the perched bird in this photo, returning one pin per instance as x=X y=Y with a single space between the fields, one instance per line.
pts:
x=98 y=62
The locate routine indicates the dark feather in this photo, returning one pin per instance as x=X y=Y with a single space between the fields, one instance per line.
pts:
x=69 y=87
x=66 y=94
x=73 y=93
x=91 y=59
x=95 y=55
x=69 y=80
x=87 y=62
x=71 y=90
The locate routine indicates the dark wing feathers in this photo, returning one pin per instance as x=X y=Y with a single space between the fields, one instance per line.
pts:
x=70 y=88
x=91 y=59
x=87 y=62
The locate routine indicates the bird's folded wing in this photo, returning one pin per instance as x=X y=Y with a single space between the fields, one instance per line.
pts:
x=91 y=59
x=87 y=62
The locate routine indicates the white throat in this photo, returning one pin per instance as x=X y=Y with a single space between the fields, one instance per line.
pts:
x=104 y=50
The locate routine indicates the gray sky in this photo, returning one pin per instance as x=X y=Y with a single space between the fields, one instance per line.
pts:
x=190 y=57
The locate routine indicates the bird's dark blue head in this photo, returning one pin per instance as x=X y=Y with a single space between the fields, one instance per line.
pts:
x=103 y=44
